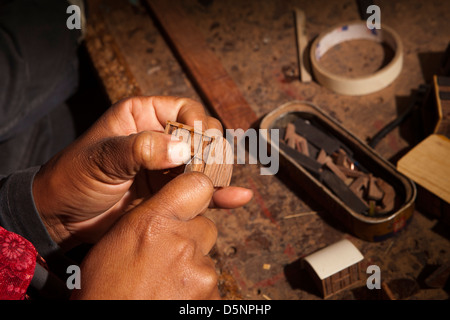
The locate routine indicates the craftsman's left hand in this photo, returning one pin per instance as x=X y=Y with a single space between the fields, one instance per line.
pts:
x=84 y=189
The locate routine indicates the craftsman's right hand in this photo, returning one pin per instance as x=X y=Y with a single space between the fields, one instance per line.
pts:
x=158 y=250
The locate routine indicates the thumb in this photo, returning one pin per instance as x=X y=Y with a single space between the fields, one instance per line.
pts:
x=183 y=198
x=122 y=157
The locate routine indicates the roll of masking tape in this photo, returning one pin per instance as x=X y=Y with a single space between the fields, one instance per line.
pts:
x=356 y=30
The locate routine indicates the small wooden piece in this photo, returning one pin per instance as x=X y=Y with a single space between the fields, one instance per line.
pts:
x=295 y=141
x=290 y=131
x=373 y=192
x=322 y=156
x=351 y=173
x=442 y=96
x=388 y=201
x=211 y=155
x=359 y=186
x=330 y=164
x=341 y=159
x=302 y=145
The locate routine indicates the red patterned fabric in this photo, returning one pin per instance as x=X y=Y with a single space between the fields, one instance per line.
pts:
x=17 y=264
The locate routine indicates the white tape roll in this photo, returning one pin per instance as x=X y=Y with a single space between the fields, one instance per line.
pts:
x=356 y=30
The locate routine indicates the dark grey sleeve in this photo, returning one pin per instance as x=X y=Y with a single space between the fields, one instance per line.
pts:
x=18 y=214
x=38 y=62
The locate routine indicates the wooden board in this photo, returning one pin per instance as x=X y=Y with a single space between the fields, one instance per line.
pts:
x=215 y=85
x=428 y=164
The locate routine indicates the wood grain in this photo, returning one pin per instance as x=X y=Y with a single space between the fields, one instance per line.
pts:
x=213 y=82
x=428 y=164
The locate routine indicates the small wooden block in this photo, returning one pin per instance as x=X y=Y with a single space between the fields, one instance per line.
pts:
x=373 y=192
x=388 y=201
x=295 y=141
x=290 y=132
x=322 y=156
x=351 y=173
x=210 y=155
x=302 y=144
x=359 y=186
x=289 y=135
x=341 y=158
x=330 y=164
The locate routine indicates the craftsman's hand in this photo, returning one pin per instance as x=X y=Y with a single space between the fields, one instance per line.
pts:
x=84 y=189
x=158 y=250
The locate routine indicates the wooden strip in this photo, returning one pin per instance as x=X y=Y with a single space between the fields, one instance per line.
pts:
x=302 y=43
x=302 y=144
x=322 y=156
x=351 y=173
x=215 y=86
x=330 y=164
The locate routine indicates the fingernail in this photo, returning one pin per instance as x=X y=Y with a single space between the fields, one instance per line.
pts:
x=179 y=152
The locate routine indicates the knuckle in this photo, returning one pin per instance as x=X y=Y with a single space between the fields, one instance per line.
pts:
x=183 y=101
x=143 y=147
x=209 y=276
x=210 y=228
x=185 y=249
x=215 y=123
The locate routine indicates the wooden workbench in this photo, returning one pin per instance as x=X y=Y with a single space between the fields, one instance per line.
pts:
x=258 y=250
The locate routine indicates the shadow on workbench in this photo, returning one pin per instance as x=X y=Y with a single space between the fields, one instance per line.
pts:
x=299 y=278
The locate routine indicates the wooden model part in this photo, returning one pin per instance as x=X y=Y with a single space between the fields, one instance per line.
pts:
x=373 y=191
x=336 y=267
x=359 y=186
x=211 y=155
x=330 y=164
x=442 y=96
x=296 y=141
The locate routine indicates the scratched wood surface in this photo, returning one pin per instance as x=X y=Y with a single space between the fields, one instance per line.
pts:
x=260 y=247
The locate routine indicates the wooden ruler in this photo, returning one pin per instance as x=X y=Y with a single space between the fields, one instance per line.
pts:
x=214 y=84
